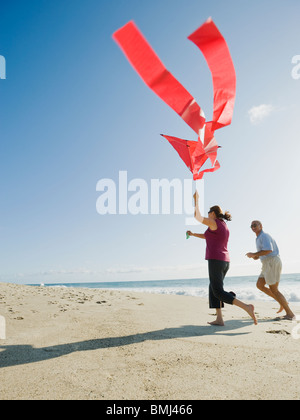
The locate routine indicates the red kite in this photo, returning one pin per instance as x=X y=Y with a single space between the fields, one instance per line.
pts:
x=163 y=83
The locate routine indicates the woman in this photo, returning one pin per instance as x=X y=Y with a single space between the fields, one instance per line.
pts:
x=217 y=236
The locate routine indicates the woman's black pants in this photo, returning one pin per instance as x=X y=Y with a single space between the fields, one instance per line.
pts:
x=217 y=296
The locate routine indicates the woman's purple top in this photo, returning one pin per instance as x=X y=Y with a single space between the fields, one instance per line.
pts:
x=217 y=242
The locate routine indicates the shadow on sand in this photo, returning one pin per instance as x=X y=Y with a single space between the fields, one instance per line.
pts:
x=14 y=355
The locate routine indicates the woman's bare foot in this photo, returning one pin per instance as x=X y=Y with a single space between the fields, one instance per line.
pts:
x=250 y=310
x=218 y=323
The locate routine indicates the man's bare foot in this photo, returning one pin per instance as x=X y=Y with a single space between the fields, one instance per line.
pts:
x=280 y=310
x=289 y=317
x=218 y=323
x=250 y=310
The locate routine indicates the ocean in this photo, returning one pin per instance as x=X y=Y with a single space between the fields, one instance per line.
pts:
x=244 y=287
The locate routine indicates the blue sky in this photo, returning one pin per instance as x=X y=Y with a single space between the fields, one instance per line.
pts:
x=73 y=112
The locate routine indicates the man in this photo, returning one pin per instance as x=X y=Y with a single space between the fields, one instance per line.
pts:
x=268 y=252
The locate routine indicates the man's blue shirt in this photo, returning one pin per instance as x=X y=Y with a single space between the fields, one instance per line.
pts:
x=265 y=242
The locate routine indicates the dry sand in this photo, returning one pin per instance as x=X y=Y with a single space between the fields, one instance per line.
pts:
x=96 y=344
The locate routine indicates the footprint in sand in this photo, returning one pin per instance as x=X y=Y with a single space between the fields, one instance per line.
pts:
x=282 y=332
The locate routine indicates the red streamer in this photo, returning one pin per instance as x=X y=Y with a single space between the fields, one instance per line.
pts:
x=148 y=65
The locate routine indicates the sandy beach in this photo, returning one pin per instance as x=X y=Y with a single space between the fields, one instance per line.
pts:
x=71 y=343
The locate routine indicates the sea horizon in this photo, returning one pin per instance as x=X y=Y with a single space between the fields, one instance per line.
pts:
x=243 y=286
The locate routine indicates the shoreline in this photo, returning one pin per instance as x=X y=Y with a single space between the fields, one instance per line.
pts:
x=244 y=287
x=81 y=343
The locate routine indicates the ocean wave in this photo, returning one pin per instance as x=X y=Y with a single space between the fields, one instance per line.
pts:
x=244 y=287
x=243 y=293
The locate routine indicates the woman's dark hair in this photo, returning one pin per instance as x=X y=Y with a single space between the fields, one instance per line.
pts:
x=219 y=213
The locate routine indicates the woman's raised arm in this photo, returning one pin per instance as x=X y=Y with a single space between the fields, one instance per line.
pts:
x=211 y=223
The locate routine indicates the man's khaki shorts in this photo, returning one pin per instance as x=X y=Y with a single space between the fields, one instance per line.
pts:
x=271 y=270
